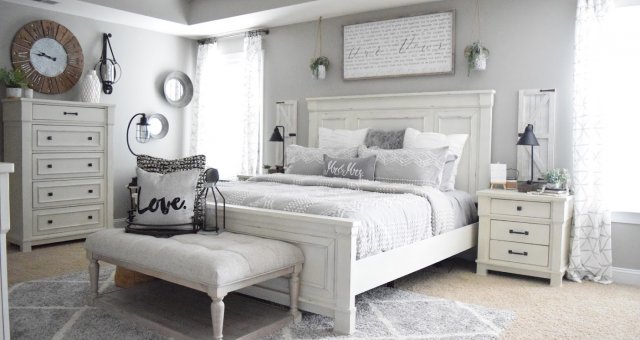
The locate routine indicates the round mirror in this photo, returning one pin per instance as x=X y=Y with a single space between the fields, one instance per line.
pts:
x=158 y=125
x=178 y=89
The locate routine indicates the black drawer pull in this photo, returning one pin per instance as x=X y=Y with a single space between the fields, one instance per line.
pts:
x=89 y=138
x=90 y=217
x=50 y=221
x=49 y=138
x=49 y=166
x=511 y=231
x=50 y=194
x=524 y=253
x=519 y=208
x=90 y=164
x=91 y=191
x=70 y=113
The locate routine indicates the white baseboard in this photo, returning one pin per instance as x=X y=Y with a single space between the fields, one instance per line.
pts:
x=119 y=222
x=626 y=276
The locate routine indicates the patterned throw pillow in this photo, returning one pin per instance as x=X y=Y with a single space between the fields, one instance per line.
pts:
x=354 y=168
x=412 y=166
x=340 y=138
x=166 y=199
x=384 y=139
x=165 y=166
x=310 y=161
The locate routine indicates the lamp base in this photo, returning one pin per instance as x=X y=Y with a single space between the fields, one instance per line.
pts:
x=526 y=186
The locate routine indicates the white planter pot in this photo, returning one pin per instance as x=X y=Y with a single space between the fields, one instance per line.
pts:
x=13 y=92
x=480 y=62
x=90 y=88
x=320 y=72
x=27 y=93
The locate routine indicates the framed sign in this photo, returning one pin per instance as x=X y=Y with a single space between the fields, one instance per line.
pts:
x=415 y=45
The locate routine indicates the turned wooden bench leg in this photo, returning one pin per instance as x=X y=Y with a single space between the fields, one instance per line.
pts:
x=294 y=293
x=94 y=272
x=217 y=316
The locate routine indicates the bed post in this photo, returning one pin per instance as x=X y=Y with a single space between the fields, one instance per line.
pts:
x=345 y=312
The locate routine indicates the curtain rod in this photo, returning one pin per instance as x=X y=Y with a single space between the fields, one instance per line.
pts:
x=231 y=35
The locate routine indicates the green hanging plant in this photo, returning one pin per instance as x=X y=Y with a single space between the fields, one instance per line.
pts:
x=13 y=78
x=316 y=63
x=476 y=56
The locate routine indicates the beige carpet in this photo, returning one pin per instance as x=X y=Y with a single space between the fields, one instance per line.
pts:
x=575 y=311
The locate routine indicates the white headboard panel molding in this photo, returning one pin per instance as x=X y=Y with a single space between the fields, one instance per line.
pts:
x=445 y=112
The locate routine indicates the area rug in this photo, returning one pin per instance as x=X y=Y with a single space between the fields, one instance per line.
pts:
x=56 y=308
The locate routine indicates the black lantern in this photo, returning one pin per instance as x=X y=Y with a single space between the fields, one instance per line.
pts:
x=108 y=69
x=142 y=130
x=277 y=137
x=528 y=138
x=211 y=177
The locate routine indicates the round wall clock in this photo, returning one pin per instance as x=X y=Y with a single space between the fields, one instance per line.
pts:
x=50 y=56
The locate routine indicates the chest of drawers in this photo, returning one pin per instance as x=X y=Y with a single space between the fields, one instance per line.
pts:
x=524 y=234
x=63 y=152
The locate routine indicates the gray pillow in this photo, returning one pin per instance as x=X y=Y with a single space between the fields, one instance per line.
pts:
x=166 y=199
x=310 y=161
x=384 y=139
x=412 y=166
x=354 y=168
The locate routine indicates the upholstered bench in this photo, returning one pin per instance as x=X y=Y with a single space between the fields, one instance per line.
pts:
x=215 y=264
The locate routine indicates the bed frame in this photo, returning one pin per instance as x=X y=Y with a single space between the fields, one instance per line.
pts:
x=331 y=276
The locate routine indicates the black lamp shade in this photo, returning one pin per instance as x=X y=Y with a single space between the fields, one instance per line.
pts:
x=528 y=137
x=276 y=136
x=142 y=130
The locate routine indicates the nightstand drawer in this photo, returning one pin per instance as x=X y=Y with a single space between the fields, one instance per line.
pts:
x=520 y=208
x=520 y=232
x=519 y=252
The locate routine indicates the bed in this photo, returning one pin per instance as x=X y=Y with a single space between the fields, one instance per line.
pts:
x=335 y=271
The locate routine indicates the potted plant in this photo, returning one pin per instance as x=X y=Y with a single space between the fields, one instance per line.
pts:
x=319 y=67
x=14 y=81
x=477 y=56
x=556 y=178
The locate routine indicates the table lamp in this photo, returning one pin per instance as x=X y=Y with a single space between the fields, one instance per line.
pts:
x=528 y=138
x=277 y=137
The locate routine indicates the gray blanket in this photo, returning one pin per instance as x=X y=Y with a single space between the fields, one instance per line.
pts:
x=392 y=215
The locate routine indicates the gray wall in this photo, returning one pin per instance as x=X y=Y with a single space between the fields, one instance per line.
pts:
x=146 y=57
x=624 y=242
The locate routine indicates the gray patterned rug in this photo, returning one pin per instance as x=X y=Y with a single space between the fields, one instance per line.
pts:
x=56 y=308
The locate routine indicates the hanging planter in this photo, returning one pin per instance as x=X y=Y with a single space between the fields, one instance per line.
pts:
x=476 y=56
x=319 y=63
x=319 y=67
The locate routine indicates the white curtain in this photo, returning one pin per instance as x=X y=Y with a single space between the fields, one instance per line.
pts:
x=591 y=232
x=227 y=108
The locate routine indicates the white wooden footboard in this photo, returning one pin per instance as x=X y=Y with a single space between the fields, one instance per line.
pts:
x=329 y=246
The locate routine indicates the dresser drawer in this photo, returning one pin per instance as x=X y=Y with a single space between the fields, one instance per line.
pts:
x=69 y=138
x=520 y=232
x=65 y=193
x=57 y=165
x=63 y=220
x=69 y=113
x=519 y=252
x=521 y=208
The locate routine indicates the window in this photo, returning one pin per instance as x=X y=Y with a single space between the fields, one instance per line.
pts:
x=621 y=70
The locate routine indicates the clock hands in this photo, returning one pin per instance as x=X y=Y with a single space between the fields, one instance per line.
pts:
x=42 y=54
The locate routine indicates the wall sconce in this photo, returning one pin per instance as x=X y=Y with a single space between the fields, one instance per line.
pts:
x=142 y=130
x=277 y=137
x=108 y=69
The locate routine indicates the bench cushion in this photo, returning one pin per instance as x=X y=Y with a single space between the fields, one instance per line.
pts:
x=213 y=260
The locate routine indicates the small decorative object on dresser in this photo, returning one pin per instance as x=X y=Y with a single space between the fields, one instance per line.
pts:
x=62 y=188
x=498 y=175
x=556 y=179
x=14 y=81
x=90 y=88
x=524 y=234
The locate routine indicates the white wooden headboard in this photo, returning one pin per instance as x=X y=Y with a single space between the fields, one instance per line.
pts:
x=445 y=112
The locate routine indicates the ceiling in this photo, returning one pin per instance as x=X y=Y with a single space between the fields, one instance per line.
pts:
x=205 y=18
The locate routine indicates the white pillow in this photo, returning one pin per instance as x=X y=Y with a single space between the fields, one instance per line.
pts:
x=414 y=139
x=166 y=199
x=328 y=138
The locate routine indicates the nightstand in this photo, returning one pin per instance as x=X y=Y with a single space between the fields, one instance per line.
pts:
x=524 y=234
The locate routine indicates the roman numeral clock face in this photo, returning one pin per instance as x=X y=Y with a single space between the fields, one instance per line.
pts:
x=50 y=56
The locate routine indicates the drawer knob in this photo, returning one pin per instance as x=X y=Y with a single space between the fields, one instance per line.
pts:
x=70 y=113
x=90 y=164
x=50 y=194
x=49 y=166
x=90 y=217
x=524 y=253
x=519 y=208
x=49 y=138
x=89 y=138
x=91 y=191
x=511 y=231
x=50 y=222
